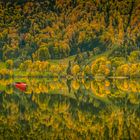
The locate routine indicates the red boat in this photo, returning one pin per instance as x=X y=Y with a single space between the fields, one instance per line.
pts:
x=21 y=85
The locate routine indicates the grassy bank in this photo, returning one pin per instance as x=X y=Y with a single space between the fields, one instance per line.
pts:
x=82 y=65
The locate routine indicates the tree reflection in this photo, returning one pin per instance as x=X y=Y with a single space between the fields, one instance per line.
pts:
x=63 y=109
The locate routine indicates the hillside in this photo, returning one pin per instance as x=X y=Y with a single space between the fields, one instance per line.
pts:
x=54 y=29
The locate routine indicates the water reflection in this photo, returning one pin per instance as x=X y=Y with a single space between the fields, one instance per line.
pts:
x=77 y=109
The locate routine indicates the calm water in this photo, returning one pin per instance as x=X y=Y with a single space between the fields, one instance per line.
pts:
x=70 y=110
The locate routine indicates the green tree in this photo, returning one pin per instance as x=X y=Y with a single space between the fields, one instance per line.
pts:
x=9 y=64
x=134 y=56
x=69 y=68
x=43 y=54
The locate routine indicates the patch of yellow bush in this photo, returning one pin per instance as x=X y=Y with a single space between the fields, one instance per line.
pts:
x=101 y=66
x=75 y=70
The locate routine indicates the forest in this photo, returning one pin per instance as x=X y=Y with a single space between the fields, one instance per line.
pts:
x=71 y=37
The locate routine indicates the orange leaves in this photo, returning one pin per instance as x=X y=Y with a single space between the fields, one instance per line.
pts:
x=81 y=37
x=121 y=30
x=27 y=7
x=70 y=30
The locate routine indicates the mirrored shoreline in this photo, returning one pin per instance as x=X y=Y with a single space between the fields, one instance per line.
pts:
x=65 y=109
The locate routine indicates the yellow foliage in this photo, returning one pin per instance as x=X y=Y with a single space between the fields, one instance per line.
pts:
x=10 y=91
x=87 y=85
x=75 y=70
x=123 y=70
x=75 y=85
x=9 y=64
x=87 y=69
x=101 y=66
x=107 y=83
x=52 y=86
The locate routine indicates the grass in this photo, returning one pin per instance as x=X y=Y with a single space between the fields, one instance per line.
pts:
x=86 y=61
x=18 y=73
x=65 y=61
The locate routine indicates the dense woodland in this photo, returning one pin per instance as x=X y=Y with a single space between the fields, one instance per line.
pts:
x=57 y=29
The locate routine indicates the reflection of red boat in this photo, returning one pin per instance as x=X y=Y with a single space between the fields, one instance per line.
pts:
x=21 y=85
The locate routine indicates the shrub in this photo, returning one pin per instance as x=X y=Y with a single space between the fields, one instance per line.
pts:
x=75 y=70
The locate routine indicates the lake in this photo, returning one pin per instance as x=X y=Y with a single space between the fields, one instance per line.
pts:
x=57 y=109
